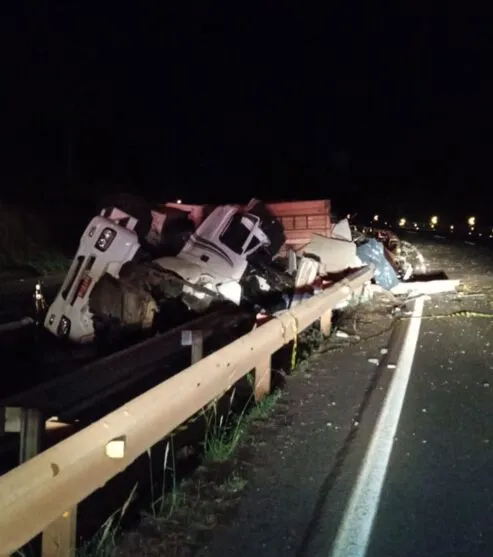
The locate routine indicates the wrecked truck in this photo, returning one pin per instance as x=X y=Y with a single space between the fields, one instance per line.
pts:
x=151 y=273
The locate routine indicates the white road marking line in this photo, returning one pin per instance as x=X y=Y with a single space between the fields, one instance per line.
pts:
x=356 y=526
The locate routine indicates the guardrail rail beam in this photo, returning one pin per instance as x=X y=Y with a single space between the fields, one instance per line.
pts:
x=37 y=495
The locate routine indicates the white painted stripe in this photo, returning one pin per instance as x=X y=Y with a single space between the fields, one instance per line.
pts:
x=356 y=526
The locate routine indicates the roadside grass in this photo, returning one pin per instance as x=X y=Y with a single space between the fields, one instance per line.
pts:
x=164 y=502
x=225 y=432
x=308 y=344
x=48 y=262
x=28 y=243
x=38 y=263
x=104 y=543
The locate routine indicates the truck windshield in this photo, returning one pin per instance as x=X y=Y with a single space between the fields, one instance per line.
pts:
x=235 y=234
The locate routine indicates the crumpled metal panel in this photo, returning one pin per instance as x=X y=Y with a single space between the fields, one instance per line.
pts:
x=372 y=251
x=342 y=231
x=334 y=255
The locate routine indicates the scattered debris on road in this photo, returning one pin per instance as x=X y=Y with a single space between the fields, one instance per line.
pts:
x=431 y=287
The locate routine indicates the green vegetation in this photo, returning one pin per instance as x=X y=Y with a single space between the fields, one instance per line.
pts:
x=308 y=343
x=48 y=262
x=233 y=483
x=26 y=245
x=224 y=433
x=104 y=543
x=164 y=505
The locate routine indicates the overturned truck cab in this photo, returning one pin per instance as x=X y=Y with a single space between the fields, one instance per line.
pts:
x=126 y=277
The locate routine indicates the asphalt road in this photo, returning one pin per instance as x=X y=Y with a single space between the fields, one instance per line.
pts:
x=437 y=493
x=437 y=498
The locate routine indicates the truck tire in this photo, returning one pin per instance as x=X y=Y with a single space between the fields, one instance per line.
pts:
x=133 y=205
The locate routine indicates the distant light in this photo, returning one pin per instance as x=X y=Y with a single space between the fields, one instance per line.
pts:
x=434 y=220
x=415 y=225
x=480 y=234
x=375 y=218
x=472 y=228
x=178 y=200
x=402 y=222
x=471 y=221
x=452 y=227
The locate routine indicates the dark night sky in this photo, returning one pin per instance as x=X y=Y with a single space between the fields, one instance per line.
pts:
x=209 y=103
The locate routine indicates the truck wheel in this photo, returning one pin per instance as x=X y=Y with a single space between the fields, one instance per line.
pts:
x=133 y=205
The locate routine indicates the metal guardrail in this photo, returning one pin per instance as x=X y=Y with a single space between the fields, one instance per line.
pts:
x=16 y=325
x=63 y=394
x=42 y=494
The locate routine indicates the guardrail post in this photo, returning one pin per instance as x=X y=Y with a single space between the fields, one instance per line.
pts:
x=262 y=379
x=326 y=323
x=31 y=433
x=197 y=346
x=59 y=538
x=30 y=424
x=194 y=339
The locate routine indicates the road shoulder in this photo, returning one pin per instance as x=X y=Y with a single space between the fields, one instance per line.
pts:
x=290 y=459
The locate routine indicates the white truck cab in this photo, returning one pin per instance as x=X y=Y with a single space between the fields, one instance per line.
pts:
x=213 y=260
x=106 y=244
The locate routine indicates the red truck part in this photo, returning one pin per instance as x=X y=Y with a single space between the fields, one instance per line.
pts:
x=300 y=219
